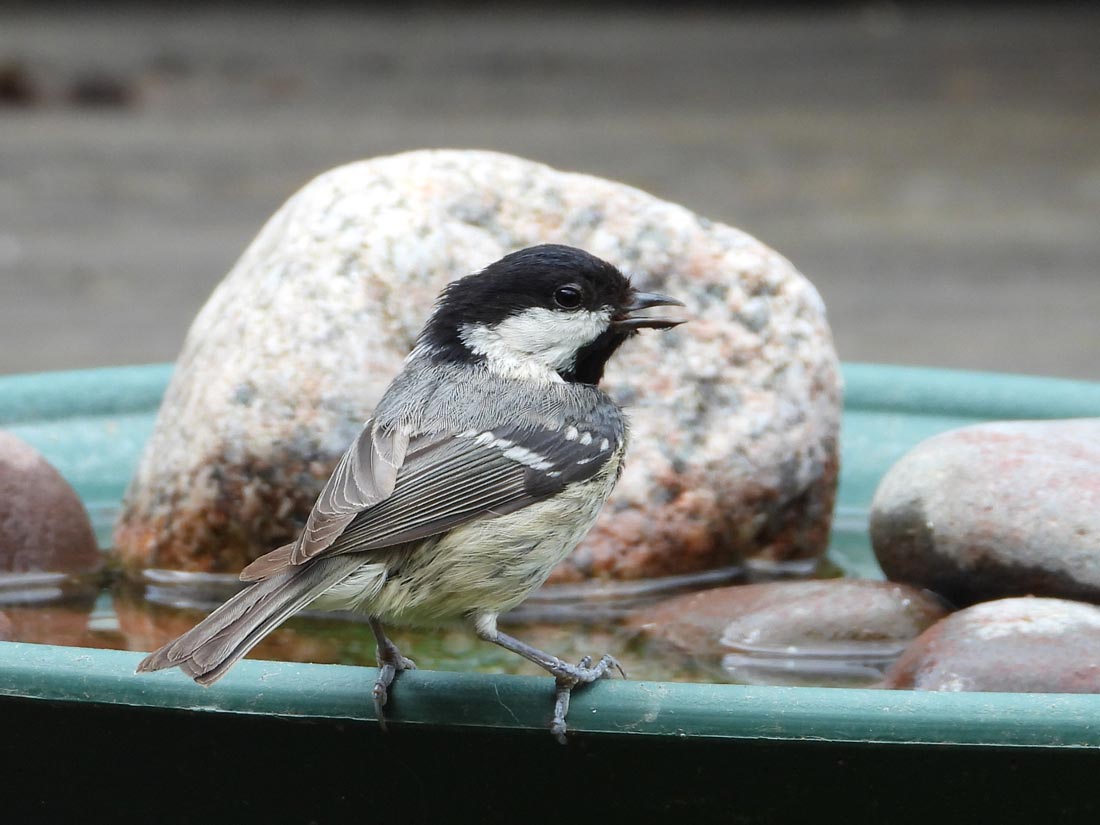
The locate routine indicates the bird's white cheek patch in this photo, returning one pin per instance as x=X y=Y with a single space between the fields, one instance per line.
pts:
x=535 y=340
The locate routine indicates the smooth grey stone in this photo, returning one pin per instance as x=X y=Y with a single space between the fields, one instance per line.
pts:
x=995 y=510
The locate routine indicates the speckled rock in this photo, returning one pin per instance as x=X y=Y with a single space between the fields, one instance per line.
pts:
x=809 y=632
x=734 y=416
x=995 y=510
x=43 y=524
x=1014 y=645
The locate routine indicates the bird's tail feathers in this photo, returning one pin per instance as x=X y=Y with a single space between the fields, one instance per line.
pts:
x=210 y=648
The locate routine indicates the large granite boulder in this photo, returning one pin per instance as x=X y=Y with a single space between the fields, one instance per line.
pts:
x=734 y=416
x=1003 y=509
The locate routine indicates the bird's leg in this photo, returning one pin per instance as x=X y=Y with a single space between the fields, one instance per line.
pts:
x=390 y=663
x=566 y=676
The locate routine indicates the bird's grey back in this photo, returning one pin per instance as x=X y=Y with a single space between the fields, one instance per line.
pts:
x=426 y=398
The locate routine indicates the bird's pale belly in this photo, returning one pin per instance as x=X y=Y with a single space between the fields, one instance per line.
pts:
x=488 y=566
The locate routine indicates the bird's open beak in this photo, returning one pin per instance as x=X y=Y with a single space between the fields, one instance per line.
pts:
x=627 y=320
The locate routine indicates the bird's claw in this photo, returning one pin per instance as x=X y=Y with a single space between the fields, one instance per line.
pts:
x=583 y=672
x=390 y=663
x=567 y=677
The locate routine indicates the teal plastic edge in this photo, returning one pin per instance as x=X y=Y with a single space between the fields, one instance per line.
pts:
x=48 y=396
x=932 y=391
x=524 y=702
x=922 y=390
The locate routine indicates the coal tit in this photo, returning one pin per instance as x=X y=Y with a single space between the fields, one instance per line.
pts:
x=486 y=461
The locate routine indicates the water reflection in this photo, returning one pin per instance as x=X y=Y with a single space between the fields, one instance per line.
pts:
x=849 y=664
x=120 y=617
x=570 y=621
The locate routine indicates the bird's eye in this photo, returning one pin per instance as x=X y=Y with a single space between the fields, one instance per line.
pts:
x=568 y=297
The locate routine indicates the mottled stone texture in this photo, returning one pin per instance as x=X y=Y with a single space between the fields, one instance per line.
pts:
x=781 y=615
x=1017 y=645
x=43 y=525
x=995 y=510
x=734 y=416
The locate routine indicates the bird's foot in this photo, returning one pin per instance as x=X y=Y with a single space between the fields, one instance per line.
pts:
x=567 y=677
x=390 y=663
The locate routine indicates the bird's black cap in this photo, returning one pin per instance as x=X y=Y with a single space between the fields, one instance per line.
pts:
x=530 y=278
x=550 y=276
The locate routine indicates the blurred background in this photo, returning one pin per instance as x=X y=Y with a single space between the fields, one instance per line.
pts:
x=934 y=171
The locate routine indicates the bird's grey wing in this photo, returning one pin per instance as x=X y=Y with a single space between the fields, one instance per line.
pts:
x=365 y=475
x=476 y=474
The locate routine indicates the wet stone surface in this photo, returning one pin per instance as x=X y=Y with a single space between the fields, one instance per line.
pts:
x=734 y=416
x=1014 y=645
x=995 y=510
x=838 y=631
x=43 y=525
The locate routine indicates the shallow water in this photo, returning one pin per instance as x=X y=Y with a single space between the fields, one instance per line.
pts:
x=119 y=617
x=569 y=621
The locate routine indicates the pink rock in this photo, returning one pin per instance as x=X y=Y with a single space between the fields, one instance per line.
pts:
x=43 y=524
x=1015 y=645
x=795 y=632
